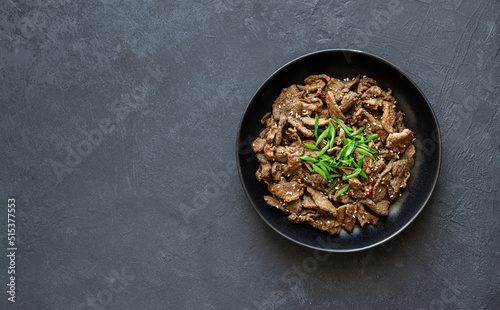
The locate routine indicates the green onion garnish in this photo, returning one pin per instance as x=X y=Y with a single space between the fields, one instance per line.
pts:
x=342 y=190
x=326 y=165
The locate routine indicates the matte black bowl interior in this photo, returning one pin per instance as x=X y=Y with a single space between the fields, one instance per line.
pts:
x=419 y=118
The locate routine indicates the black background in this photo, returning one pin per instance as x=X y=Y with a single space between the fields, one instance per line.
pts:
x=118 y=128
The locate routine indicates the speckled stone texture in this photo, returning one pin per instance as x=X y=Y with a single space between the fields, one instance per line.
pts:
x=118 y=124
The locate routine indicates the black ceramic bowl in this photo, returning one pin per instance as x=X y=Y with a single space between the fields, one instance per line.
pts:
x=419 y=117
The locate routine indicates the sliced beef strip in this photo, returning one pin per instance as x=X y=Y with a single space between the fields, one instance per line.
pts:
x=348 y=212
x=333 y=108
x=399 y=141
x=379 y=165
x=265 y=118
x=295 y=122
x=294 y=108
x=408 y=156
x=327 y=223
x=386 y=154
x=351 y=82
x=264 y=170
x=274 y=202
x=286 y=191
x=309 y=121
x=294 y=207
x=322 y=201
x=358 y=116
x=258 y=145
x=276 y=171
x=355 y=183
x=348 y=101
x=335 y=86
x=269 y=151
x=398 y=123
x=380 y=208
x=279 y=105
x=365 y=217
x=334 y=150
x=325 y=113
x=341 y=135
x=373 y=91
x=380 y=188
x=293 y=166
x=279 y=130
x=357 y=193
x=312 y=78
x=389 y=117
x=317 y=84
x=280 y=154
x=364 y=84
x=387 y=96
x=399 y=181
x=317 y=182
x=308 y=202
x=372 y=103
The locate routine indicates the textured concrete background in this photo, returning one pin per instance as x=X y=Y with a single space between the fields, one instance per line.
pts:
x=118 y=125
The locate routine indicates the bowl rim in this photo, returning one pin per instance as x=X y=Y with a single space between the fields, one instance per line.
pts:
x=346 y=52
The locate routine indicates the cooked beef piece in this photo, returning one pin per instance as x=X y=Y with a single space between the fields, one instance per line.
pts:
x=269 y=151
x=264 y=120
x=348 y=101
x=398 y=123
x=309 y=121
x=389 y=117
x=399 y=141
x=294 y=108
x=279 y=106
x=297 y=123
x=372 y=103
x=365 y=83
x=312 y=78
x=401 y=171
x=355 y=183
x=308 y=202
x=276 y=173
x=380 y=208
x=341 y=135
x=279 y=154
x=312 y=86
x=293 y=166
x=333 y=108
x=357 y=193
x=279 y=130
x=327 y=223
x=294 y=206
x=379 y=165
x=273 y=202
x=264 y=171
x=372 y=92
x=258 y=145
x=317 y=182
x=386 y=154
x=350 y=83
x=405 y=163
x=334 y=150
x=322 y=201
x=348 y=212
x=286 y=191
x=399 y=182
x=365 y=217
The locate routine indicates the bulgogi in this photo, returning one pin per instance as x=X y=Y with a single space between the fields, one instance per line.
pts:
x=334 y=152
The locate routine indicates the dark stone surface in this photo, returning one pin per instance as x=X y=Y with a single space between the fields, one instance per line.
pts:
x=151 y=214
